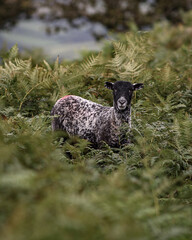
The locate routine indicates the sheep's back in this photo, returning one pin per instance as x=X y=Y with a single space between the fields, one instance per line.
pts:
x=79 y=116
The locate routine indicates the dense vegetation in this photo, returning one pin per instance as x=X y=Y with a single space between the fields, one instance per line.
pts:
x=51 y=190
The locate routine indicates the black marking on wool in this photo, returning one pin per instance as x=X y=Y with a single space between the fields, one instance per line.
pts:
x=92 y=121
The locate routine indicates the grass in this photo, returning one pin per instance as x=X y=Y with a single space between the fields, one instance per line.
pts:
x=51 y=190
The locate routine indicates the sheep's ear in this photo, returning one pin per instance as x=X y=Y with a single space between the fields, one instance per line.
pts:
x=137 y=86
x=109 y=85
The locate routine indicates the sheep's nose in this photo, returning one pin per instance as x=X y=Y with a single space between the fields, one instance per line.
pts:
x=122 y=101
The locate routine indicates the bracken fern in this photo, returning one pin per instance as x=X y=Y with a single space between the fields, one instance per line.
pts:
x=55 y=186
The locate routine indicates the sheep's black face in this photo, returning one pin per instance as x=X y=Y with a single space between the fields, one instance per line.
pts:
x=122 y=93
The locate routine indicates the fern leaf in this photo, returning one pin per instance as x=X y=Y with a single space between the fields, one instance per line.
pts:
x=13 y=53
x=90 y=62
x=56 y=64
x=47 y=65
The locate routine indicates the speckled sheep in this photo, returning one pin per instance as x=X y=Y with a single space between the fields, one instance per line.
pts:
x=92 y=121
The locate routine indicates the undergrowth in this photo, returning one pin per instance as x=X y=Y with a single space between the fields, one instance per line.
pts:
x=53 y=186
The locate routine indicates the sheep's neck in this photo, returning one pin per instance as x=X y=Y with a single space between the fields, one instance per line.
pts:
x=121 y=117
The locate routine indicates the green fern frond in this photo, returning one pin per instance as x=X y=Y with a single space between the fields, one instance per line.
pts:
x=56 y=64
x=13 y=53
x=90 y=62
x=47 y=65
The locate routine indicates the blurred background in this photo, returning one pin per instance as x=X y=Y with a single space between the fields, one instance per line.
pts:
x=68 y=27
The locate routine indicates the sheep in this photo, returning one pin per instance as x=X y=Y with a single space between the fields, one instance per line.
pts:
x=92 y=121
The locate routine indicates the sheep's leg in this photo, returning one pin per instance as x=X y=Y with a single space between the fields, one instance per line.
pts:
x=56 y=124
